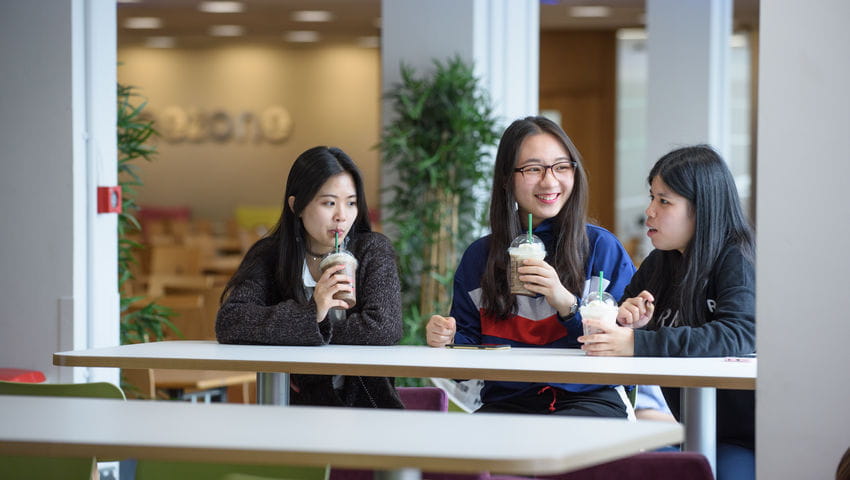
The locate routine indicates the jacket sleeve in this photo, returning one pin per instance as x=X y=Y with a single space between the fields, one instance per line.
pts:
x=609 y=256
x=466 y=314
x=376 y=318
x=731 y=329
x=249 y=317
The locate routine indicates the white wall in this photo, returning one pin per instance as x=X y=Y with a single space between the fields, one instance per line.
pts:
x=57 y=258
x=803 y=424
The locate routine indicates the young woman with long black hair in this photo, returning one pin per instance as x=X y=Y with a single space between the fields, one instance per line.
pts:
x=280 y=296
x=539 y=171
x=694 y=295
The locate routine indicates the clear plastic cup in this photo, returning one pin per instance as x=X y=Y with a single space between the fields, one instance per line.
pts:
x=604 y=309
x=343 y=257
x=521 y=249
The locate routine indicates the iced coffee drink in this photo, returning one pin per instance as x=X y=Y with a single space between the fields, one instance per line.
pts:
x=342 y=257
x=522 y=249
x=604 y=308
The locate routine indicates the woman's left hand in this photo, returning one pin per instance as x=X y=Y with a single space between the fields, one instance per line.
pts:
x=540 y=277
x=613 y=341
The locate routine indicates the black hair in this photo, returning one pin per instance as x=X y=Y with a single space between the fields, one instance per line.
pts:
x=699 y=174
x=571 y=244
x=285 y=245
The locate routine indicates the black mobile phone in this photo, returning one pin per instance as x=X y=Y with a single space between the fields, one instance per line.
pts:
x=473 y=346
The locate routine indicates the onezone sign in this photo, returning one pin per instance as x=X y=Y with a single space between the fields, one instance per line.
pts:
x=178 y=124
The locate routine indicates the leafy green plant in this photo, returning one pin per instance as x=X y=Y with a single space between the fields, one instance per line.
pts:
x=440 y=138
x=134 y=133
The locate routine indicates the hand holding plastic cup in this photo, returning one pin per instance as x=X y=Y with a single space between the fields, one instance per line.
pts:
x=525 y=246
x=600 y=306
x=340 y=256
x=521 y=249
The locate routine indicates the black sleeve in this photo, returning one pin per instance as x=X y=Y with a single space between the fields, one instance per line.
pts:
x=639 y=280
x=731 y=329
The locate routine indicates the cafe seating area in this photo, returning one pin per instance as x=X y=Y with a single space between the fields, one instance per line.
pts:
x=183 y=264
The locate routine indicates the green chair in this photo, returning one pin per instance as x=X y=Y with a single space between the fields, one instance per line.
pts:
x=26 y=468
x=47 y=468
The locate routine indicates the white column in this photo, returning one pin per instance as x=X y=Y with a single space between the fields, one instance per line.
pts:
x=501 y=38
x=58 y=290
x=802 y=420
x=95 y=76
x=688 y=44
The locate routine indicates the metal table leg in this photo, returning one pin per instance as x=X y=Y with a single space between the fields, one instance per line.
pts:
x=699 y=414
x=399 y=474
x=272 y=388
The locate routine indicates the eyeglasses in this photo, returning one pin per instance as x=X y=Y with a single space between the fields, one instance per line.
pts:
x=535 y=173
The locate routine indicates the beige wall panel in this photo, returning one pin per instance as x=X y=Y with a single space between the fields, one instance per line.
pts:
x=332 y=95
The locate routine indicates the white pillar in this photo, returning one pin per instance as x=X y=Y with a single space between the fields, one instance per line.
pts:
x=688 y=44
x=58 y=290
x=501 y=37
x=802 y=422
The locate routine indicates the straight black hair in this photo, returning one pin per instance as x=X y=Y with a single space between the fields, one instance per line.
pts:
x=702 y=177
x=285 y=246
x=571 y=244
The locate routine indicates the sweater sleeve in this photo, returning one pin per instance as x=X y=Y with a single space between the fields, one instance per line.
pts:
x=466 y=314
x=731 y=329
x=376 y=318
x=248 y=317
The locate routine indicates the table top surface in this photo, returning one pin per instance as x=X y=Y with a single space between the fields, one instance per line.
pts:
x=344 y=437
x=515 y=364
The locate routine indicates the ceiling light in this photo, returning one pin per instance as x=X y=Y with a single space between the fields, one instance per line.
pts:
x=226 y=30
x=631 y=34
x=302 y=36
x=369 y=42
x=221 y=7
x=143 y=22
x=590 y=11
x=738 y=40
x=159 y=42
x=312 y=16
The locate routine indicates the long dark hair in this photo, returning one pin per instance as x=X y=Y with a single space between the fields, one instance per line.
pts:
x=702 y=177
x=285 y=245
x=571 y=244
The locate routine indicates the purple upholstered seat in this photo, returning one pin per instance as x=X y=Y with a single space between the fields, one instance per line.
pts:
x=643 y=466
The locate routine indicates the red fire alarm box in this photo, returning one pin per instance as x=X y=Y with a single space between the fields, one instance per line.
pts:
x=109 y=199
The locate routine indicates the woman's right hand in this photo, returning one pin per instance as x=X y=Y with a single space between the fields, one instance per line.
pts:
x=440 y=331
x=328 y=286
x=636 y=312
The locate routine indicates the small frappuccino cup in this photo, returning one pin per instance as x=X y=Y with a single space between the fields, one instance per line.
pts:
x=342 y=257
x=604 y=308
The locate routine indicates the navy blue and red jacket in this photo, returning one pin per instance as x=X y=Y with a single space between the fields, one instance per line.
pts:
x=536 y=323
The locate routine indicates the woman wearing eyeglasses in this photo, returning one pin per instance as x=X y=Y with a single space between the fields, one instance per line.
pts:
x=538 y=171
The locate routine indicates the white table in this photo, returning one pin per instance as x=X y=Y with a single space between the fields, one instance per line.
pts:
x=400 y=441
x=701 y=375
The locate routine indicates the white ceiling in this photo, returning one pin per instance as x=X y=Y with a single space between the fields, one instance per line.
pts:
x=266 y=21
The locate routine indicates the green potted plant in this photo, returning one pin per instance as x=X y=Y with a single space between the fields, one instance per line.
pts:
x=134 y=133
x=438 y=142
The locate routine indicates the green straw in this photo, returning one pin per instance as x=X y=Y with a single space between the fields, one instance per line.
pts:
x=601 y=276
x=336 y=242
x=530 y=240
